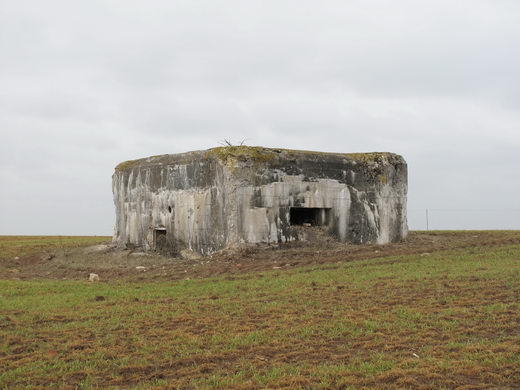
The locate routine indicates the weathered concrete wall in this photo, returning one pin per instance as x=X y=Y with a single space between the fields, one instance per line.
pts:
x=212 y=199
x=185 y=197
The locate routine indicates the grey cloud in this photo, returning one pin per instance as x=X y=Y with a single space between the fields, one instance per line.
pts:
x=86 y=85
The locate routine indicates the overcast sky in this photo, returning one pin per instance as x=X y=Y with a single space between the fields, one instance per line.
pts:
x=85 y=85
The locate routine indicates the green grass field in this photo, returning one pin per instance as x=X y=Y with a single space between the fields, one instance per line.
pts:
x=11 y=246
x=445 y=320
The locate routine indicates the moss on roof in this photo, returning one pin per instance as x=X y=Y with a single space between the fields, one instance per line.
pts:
x=127 y=164
x=230 y=155
x=133 y=163
x=260 y=153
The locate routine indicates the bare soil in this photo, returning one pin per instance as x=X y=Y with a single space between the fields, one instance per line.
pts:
x=113 y=264
x=398 y=322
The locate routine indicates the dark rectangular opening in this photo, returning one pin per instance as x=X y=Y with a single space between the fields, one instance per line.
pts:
x=315 y=216
x=159 y=238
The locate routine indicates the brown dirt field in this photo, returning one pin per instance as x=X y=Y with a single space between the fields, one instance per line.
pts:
x=111 y=264
x=398 y=322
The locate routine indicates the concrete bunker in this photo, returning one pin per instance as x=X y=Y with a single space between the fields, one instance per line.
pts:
x=211 y=199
